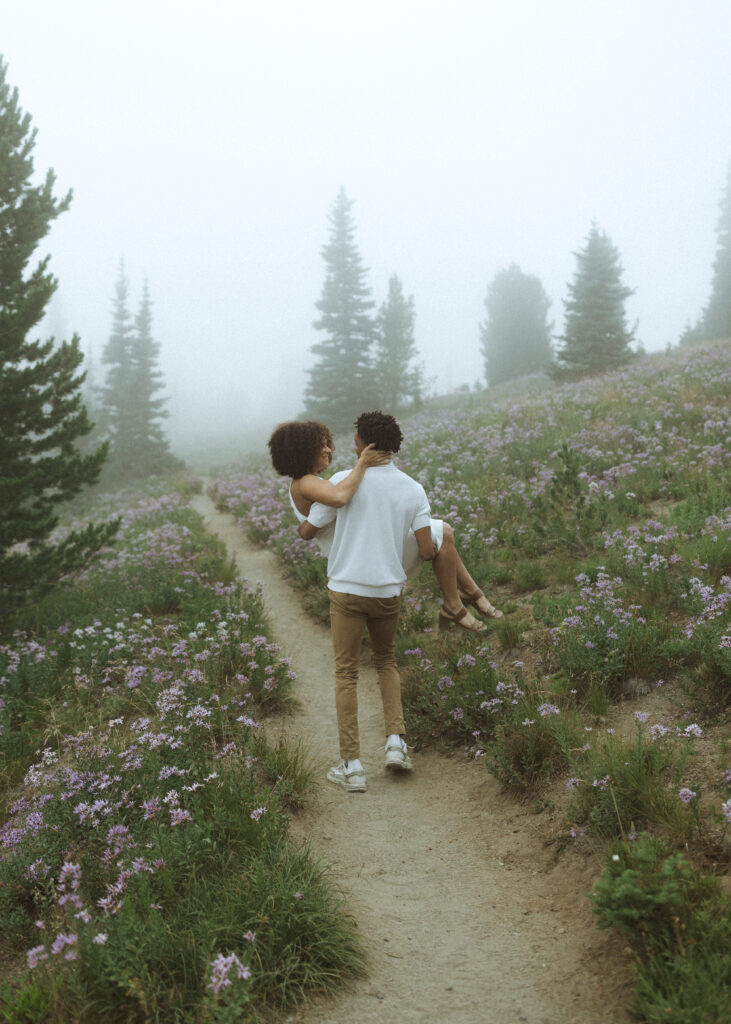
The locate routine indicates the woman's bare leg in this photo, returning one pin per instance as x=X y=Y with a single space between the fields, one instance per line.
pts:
x=450 y=573
x=464 y=582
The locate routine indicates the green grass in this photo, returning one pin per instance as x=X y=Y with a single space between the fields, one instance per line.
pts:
x=135 y=772
x=625 y=786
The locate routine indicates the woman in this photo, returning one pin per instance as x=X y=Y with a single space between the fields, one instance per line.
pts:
x=302 y=450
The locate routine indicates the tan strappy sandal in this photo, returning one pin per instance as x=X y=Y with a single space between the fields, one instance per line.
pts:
x=474 y=597
x=447 y=620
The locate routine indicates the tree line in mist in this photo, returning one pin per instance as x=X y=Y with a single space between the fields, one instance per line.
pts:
x=370 y=360
x=366 y=357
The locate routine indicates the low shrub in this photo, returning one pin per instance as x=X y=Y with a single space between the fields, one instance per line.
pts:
x=621 y=786
x=604 y=641
x=532 y=742
x=678 y=925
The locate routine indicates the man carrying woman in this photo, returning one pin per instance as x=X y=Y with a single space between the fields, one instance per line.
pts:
x=377 y=523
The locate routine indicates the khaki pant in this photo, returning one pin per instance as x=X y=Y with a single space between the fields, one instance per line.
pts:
x=349 y=614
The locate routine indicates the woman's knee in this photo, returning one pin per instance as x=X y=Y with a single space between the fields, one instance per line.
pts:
x=448 y=534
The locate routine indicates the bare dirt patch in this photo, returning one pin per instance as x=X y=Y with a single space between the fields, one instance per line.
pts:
x=467 y=913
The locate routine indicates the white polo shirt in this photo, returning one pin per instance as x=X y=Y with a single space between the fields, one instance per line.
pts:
x=367 y=553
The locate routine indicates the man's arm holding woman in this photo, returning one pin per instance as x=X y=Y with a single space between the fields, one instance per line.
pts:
x=320 y=515
x=307 y=531
x=427 y=547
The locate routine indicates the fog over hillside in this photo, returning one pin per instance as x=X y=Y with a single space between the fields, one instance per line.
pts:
x=206 y=143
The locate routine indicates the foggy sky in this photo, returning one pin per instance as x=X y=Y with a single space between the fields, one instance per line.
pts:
x=206 y=142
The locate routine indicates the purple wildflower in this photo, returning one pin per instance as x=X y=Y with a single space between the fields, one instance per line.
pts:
x=220 y=969
x=36 y=955
x=178 y=816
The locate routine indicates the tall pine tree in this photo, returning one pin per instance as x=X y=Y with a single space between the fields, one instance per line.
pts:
x=396 y=380
x=117 y=418
x=132 y=408
x=341 y=381
x=117 y=397
x=42 y=414
x=516 y=337
x=596 y=337
x=716 y=321
x=152 y=452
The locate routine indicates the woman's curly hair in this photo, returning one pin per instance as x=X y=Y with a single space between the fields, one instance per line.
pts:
x=295 y=446
x=380 y=429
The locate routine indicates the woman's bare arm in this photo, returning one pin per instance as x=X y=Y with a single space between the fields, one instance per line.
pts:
x=312 y=488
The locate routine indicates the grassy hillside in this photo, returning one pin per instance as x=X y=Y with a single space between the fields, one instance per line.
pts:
x=598 y=517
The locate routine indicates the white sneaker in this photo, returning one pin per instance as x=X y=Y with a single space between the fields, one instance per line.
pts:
x=397 y=758
x=351 y=779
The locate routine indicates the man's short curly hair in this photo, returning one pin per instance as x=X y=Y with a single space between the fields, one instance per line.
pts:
x=295 y=446
x=380 y=429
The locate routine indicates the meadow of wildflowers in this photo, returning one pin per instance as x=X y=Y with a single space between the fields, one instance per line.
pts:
x=599 y=514
x=615 y=493
x=145 y=868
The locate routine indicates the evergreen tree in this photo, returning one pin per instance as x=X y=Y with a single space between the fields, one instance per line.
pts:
x=341 y=381
x=692 y=334
x=42 y=413
x=118 y=393
x=395 y=380
x=596 y=337
x=516 y=337
x=133 y=409
x=152 y=453
x=90 y=394
x=717 y=315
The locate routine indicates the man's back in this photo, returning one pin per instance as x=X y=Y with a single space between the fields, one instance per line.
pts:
x=366 y=556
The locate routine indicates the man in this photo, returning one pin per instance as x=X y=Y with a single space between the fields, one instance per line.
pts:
x=365 y=580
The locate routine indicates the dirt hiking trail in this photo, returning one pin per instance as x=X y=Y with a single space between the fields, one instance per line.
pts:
x=466 y=915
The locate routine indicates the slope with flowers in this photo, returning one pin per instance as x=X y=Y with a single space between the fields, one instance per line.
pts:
x=599 y=515
x=146 y=868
